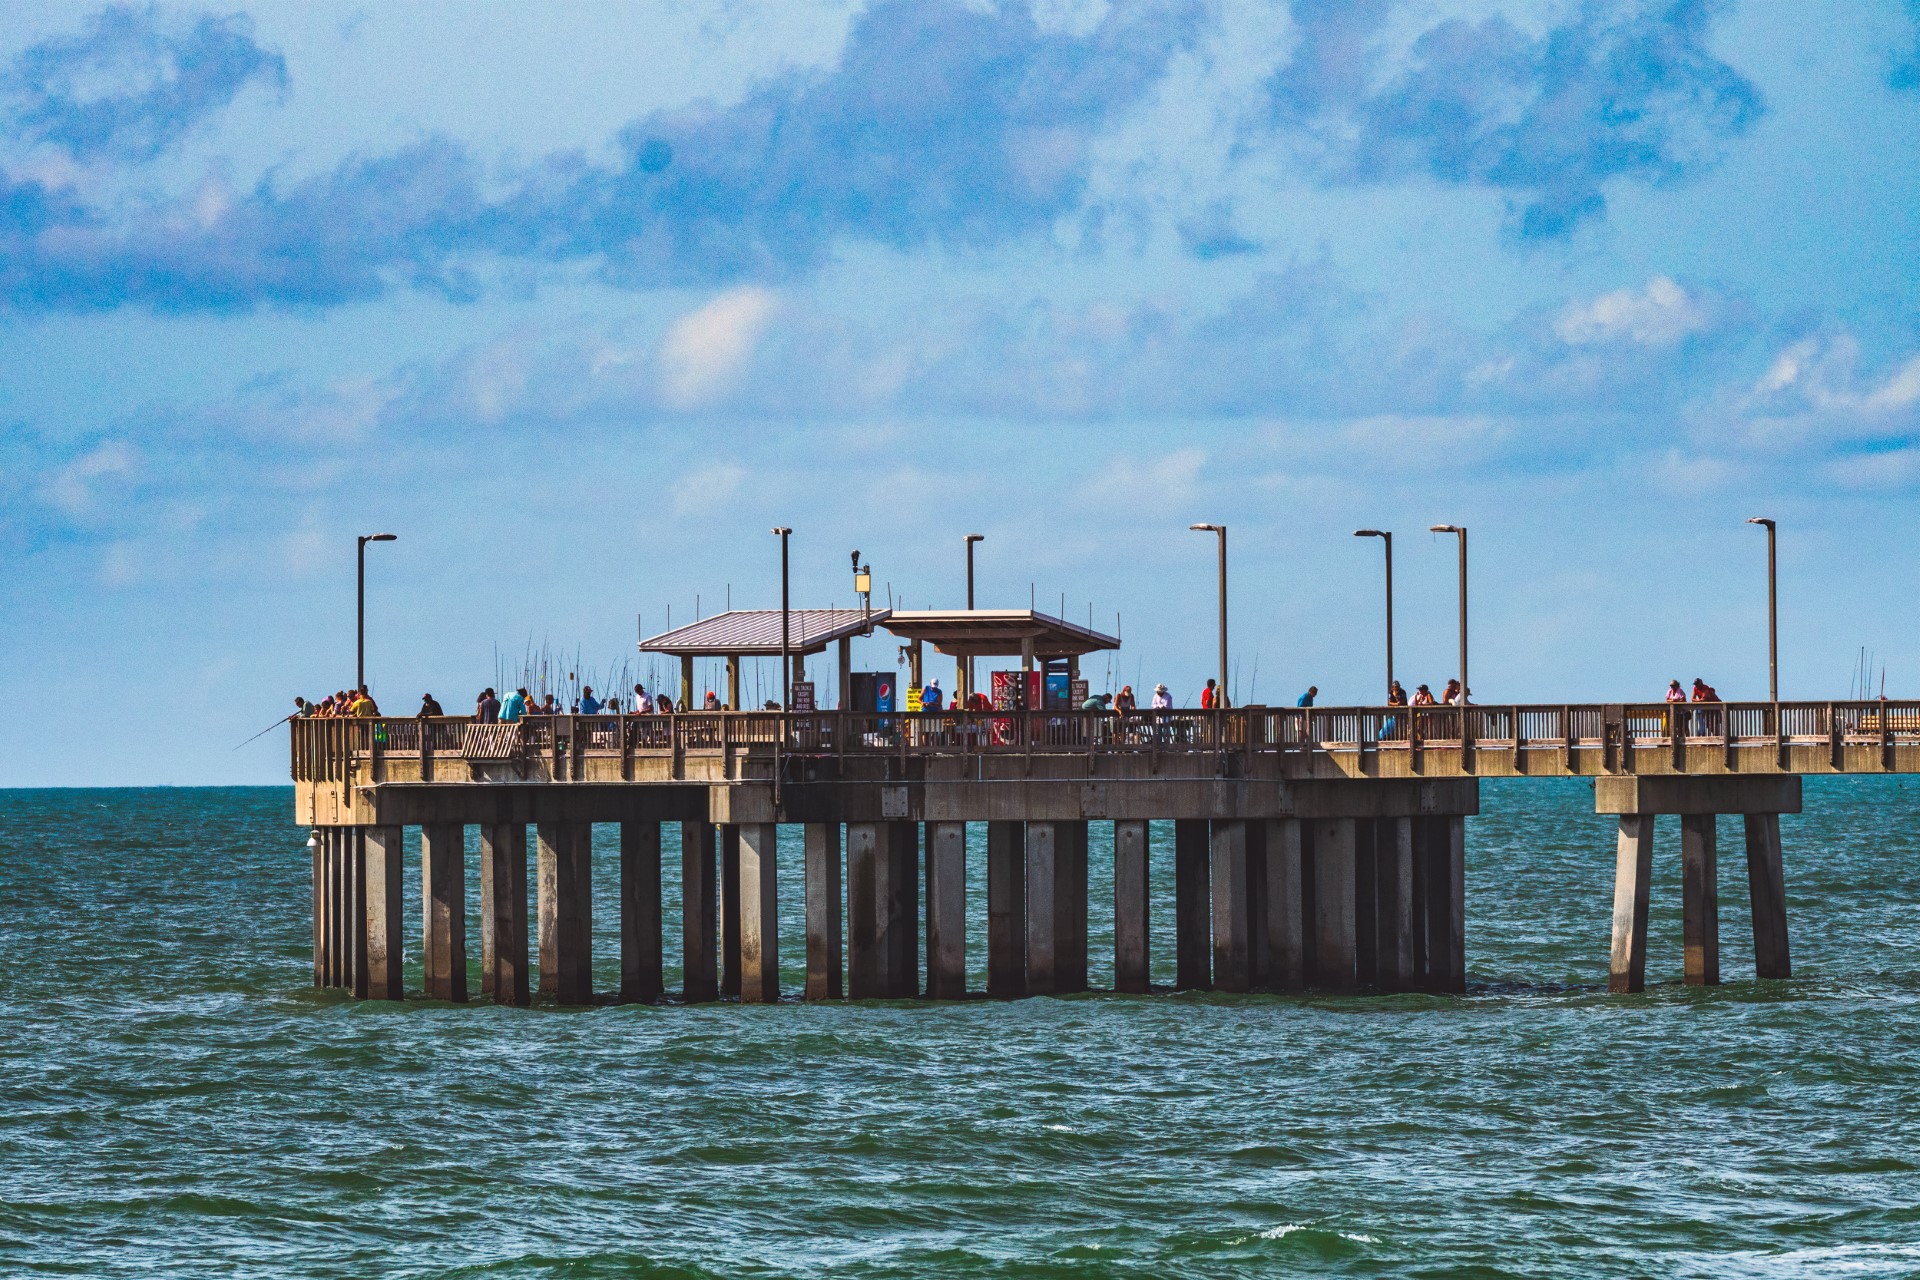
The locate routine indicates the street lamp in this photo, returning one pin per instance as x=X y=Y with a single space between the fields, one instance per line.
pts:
x=786 y=660
x=360 y=660
x=1773 y=616
x=1386 y=537
x=968 y=661
x=1462 y=531
x=1220 y=695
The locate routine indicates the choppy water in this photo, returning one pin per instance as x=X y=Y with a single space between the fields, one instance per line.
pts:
x=177 y=1100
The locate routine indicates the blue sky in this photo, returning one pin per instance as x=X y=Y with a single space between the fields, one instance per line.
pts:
x=580 y=302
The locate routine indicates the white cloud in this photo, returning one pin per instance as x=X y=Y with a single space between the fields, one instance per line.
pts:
x=702 y=490
x=707 y=347
x=1164 y=480
x=72 y=488
x=1659 y=315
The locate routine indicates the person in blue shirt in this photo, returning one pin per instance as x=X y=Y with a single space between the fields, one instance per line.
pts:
x=1306 y=699
x=589 y=705
x=513 y=707
x=931 y=698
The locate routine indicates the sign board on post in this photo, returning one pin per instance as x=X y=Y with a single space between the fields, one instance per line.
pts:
x=803 y=697
x=1006 y=691
x=1078 y=698
x=913 y=698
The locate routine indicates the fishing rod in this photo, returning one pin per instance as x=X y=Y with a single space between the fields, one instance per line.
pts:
x=269 y=729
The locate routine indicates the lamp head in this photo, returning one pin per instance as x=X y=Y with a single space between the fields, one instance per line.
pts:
x=782 y=530
x=1205 y=528
x=1760 y=520
x=1369 y=533
x=976 y=537
x=1446 y=528
x=378 y=537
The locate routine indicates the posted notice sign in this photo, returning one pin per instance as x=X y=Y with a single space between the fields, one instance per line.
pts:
x=802 y=696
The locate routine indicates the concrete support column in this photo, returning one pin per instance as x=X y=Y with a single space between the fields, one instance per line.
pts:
x=503 y=858
x=903 y=910
x=1450 y=842
x=566 y=911
x=1766 y=884
x=866 y=910
x=443 y=911
x=1069 y=907
x=1229 y=876
x=947 y=910
x=486 y=913
x=1006 y=909
x=1043 y=852
x=326 y=908
x=353 y=913
x=823 y=911
x=1333 y=904
x=729 y=910
x=700 y=912
x=686 y=684
x=1632 y=877
x=1700 y=898
x=846 y=673
x=1258 y=977
x=319 y=861
x=1286 y=967
x=1366 y=905
x=642 y=980
x=1132 y=962
x=1395 y=886
x=381 y=947
x=733 y=682
x=1192 y=909
x=759 y=897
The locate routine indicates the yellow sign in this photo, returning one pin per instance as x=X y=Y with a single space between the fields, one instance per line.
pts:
x=913 y=699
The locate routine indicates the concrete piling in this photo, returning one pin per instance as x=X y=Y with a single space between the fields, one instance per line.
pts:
x=866 y=911
x=1006 y=909
x=443 y=910
x=1070 y=907
x=1228 y=874
x=1766 y=885
x=641 y=944
x=380 y=948
x=700 y=912
x=759 y=916
x=946 y=910
x=823 y=899
x=902 y=897
x=1700 y=899
x=1333 y=904
x=1632 y=877
x=1192 y=905
x=1285 y=932
x=729 y=910
x=503 y=857
x=1132 y=964
x=1043 y=851
x=566 y=911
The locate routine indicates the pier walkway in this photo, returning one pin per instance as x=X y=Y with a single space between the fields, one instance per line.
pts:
x=1319 y=848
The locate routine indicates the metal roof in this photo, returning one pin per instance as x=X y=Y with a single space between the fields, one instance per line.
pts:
x=981 y=633
x=756 y=632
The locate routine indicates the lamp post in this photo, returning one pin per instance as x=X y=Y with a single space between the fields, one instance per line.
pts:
x=1773 y=616
x=360 y=659
x=786 y=658
x=967 y=662
x=1462 y=531
x=1386 y=537
x=1220 y=696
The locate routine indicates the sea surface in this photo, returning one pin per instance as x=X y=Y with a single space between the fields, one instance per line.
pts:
x=177 y=1100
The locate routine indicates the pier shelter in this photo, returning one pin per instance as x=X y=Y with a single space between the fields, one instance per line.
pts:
x=756 y=633
x=1037 y=639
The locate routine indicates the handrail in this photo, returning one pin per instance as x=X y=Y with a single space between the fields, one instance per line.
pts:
x=330 y=749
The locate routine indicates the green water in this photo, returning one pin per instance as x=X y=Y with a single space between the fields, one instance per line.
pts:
x=178 y=1100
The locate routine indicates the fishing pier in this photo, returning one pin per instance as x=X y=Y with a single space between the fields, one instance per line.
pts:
x=1312 y=848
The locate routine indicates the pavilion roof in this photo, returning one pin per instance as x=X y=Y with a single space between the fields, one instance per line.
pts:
x=981 y=633
x=756 y=632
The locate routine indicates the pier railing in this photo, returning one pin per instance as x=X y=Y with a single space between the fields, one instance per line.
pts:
x=326 y=750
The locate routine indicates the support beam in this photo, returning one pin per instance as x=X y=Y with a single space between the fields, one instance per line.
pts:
x=1069 y=906
x=903 y=910
x=729 y=911
x=1043 y=851
x=733 y=683
x=866 y=910
x=1192 y=908
x=1399 y=904
x=759 y=897
x=354 y=914
x=1632 y=876
x=319 y=861
x=1700 y=899
x=947 y=910
x=686 y=683
x=1451 y=843
x=1132 y=962
x=443 y=911
x=824 y=896
x=487 y=963
x=566 y=912
x=1766 y=884
x=1286 y=966
x=642 y=978
x=699 y=912
x=503 y=852
x=846 y=673
x=1333 y=904
x=381 y=945
x=1006 y=909
x=1366 y=905
x=1229 y=877
x=1258 y=978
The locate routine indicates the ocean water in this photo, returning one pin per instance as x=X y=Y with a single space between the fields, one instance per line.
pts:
x=177 y=1100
